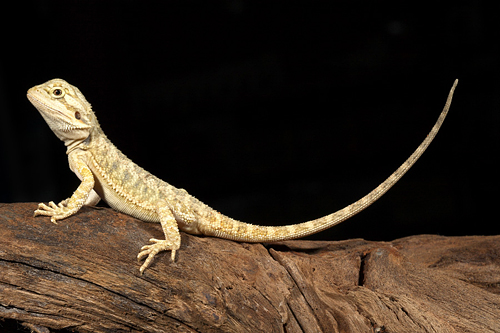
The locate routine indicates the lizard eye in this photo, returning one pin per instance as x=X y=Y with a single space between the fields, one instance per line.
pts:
x=57 y=93
x=77 y=115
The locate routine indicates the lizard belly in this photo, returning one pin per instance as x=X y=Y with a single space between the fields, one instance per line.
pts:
x=117 y=198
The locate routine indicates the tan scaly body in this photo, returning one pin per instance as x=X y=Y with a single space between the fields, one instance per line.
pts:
x=108 y=174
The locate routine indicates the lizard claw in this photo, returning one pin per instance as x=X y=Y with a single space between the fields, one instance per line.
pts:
x=153 y=249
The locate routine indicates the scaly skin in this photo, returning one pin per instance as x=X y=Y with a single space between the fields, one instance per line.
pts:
x=106 y=173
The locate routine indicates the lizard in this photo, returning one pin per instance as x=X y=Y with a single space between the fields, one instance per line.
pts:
x=106 y=173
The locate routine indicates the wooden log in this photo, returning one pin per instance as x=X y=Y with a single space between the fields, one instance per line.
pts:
x=82 y=275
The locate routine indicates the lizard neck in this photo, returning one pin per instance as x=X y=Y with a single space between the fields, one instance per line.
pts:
x=72 y=145
x=95 y=135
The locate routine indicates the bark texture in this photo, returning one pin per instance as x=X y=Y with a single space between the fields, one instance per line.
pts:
x=82 y=275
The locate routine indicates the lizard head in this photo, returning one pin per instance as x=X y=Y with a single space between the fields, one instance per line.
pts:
x=65 y=110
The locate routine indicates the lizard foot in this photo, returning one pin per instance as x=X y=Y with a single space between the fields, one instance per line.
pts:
x=152 y=249
x=56 y=212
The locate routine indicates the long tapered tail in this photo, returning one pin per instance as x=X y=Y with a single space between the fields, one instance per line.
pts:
x=224 y=227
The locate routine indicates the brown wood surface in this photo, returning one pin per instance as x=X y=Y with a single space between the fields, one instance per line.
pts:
x=82 y=275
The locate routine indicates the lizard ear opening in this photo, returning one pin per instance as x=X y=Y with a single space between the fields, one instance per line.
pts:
x=77 y=115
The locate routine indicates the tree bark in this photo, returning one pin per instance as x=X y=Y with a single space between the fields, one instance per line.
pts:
x=82 y=275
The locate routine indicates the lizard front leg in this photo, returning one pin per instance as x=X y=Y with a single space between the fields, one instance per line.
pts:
x=82 y=195
x=171 y=242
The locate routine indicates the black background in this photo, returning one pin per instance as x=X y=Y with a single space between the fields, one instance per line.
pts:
x=271 y=112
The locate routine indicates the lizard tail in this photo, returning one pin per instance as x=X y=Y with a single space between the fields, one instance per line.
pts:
x=224 y=227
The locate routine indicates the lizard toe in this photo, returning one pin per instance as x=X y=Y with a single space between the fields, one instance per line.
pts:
x=151 y=250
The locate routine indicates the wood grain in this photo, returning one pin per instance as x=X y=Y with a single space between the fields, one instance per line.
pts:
x=82 y=275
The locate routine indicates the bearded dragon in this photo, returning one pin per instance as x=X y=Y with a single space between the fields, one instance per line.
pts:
x=106 y=173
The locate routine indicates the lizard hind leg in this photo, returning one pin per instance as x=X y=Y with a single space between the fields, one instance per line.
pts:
x=171 y=242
